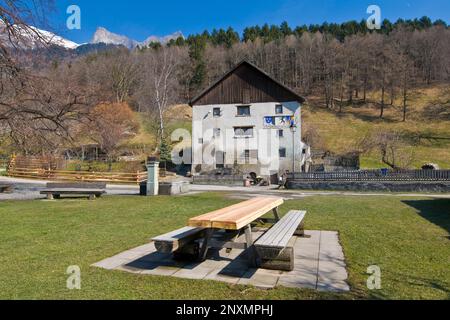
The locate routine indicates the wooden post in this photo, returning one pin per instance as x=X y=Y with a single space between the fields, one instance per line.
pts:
x=275 y=213
x=250 y=248
x=204 y=248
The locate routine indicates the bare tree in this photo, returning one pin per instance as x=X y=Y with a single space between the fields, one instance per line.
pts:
x=159 y=82
x=36 y=109
x=391 y=147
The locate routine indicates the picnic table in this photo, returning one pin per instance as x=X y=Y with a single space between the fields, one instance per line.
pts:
x=235 y=218
x=221 y=229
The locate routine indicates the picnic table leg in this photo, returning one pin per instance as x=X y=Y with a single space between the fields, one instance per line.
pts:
x=250 y=248
x=204 y=248
x=276 y=214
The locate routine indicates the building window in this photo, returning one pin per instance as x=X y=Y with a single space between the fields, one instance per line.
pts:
x=216 y=132
x=247 y=156
x=279 y=109
x=243 y=132
x=250 y=155
x=243 y=111
x=282 y=152
x=281 y=133
x=216 y=112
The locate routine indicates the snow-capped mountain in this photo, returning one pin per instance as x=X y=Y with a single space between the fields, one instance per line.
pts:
x=162 y=40
x=32 y=38
x=102 y=35
x=56 y=40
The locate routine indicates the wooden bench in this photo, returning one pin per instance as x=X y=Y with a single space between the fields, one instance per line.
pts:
x=275 y=248
x=180 y=242
x=92 y=190
x=6 y=187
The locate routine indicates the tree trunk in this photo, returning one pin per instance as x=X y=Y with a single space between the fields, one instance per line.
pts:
x=382 y=101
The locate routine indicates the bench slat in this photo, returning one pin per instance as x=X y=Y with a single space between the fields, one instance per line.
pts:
x=70 y=190
x=175 y=240
x=279 y=228
x=76 y=185
x=280 y=234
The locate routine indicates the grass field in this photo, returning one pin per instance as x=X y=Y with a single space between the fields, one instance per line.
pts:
x=407 y=237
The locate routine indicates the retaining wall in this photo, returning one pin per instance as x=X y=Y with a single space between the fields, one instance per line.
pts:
x=390 y=186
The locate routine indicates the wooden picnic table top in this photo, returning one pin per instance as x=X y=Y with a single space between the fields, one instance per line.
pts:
x=237 y=216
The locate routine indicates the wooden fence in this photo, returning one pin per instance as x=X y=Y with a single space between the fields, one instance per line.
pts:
x=374 y=175
x=82 y=176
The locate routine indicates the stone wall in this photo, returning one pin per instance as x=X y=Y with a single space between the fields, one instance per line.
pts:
x=389 y=186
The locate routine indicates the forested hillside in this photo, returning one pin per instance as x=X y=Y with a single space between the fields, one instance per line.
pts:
x=357 y=82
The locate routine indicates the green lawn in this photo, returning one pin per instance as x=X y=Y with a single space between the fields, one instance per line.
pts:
x=407 y=237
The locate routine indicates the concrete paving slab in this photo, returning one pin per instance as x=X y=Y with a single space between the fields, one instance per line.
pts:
x=260 y=278
x=158 y=270
x=336 y=286
x=110 y=263
x=146 y=248
x=130 y=255
x=225 y=275
x=298 y=281
x=319 y=264
x=330 y=271
x=198 y=272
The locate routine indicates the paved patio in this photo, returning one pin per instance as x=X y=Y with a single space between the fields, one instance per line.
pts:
x=319 y=264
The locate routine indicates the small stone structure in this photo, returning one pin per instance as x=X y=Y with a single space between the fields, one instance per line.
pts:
x=173 y=188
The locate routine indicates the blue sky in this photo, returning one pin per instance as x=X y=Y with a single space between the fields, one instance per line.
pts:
x=138 y=19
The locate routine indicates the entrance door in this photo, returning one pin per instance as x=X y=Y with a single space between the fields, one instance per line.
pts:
x=220 y=159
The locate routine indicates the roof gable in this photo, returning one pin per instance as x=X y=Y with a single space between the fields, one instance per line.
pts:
x=246 y=83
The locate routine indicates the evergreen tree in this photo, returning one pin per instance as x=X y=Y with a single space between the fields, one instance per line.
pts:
x=165 y=151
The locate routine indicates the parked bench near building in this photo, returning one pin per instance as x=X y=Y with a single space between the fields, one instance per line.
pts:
x=92 y=190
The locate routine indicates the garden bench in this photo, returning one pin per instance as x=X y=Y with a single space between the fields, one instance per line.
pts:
x=92 y=190
x=6 y=187
x=275 y=248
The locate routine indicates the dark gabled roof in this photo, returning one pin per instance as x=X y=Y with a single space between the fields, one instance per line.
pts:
x=281 y=90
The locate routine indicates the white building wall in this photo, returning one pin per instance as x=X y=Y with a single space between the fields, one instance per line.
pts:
x=265 y=141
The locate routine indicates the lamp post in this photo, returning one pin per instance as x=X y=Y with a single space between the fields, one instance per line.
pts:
x=293 y=130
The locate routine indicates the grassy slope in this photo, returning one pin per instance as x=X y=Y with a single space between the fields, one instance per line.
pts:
x=340 y=132
x=407 y=238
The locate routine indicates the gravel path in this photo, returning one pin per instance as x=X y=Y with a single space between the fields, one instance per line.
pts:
x=26 y=189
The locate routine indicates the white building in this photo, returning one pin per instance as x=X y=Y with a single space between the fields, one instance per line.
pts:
x=249 y=122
